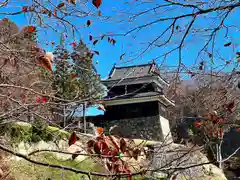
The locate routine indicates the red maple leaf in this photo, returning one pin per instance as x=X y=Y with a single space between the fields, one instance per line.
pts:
x=44 y=99
x=72 y=139
x=24 y=9
x=97 y=3
x=73 y=44
x=197 y=124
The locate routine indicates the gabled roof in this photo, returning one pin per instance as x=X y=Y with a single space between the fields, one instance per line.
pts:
x=134 y=75
x=130 y=71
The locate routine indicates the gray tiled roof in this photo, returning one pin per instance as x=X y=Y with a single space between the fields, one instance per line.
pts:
x=129 y=71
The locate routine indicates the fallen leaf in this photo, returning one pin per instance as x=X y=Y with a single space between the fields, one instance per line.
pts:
x=227 y=44
x=97 y=3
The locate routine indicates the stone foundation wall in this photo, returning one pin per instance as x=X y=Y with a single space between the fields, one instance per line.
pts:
x=148 y=128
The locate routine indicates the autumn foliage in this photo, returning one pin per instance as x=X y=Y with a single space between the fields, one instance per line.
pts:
x=114 y=151
x=216 y=123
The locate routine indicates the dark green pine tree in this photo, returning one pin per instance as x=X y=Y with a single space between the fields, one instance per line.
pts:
x=75 y=78
x=61 y=74
x=86 y=72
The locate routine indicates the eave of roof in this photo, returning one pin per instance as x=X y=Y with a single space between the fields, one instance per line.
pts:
x=133 y=80
x=161 y=98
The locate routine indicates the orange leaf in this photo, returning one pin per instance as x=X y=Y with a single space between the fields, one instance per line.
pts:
x=88 y=23
x=55 y=13
x=24 y=8
x=60 y=5
x=97 y=3
x=31 y=29
x=227 y=44
x=99 y=131
x=99 y=13
x=73 y=139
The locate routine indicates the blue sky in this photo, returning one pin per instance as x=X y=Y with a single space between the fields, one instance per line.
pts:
x=133 y=43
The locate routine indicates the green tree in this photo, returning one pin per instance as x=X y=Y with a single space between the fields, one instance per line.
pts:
x=75 y=79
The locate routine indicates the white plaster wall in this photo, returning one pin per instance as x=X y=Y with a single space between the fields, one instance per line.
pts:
x=165 y=128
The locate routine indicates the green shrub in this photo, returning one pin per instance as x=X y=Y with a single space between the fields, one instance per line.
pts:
x=25 y=132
